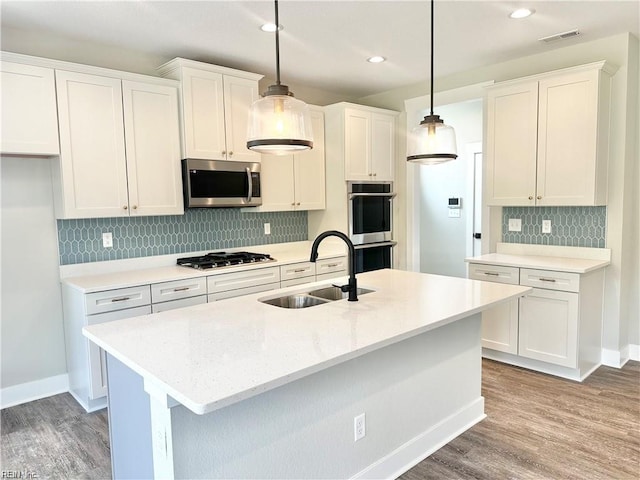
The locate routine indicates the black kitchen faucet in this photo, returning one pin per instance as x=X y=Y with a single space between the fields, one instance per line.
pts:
x=352 y=286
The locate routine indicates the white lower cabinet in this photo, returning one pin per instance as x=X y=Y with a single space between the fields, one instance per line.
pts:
x=85 y=361
x=555 y=329
x=97 y=357
x=549 y=327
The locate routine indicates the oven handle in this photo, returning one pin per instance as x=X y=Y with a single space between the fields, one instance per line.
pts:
x=354 y=195
x=372 y=245
x=248 y=170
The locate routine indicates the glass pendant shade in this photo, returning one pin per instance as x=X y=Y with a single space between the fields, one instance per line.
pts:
x=279 y=125
x=432 y=142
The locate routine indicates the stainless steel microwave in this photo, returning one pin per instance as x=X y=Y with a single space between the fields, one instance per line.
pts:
x=218 y=183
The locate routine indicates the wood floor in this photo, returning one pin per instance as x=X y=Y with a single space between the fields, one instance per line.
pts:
x=538 y=427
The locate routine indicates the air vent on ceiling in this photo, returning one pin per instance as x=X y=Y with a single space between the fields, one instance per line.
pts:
x=560 y=36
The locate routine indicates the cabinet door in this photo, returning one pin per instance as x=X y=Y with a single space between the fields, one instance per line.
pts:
x=153 y=149
x=97 y=360
x=29 y=117
x=203 y=109
x=357 y=144
x=512 y=118
x=309 y=169
x=500 y=327
x=239 y=94
x=382 y=146
x=567 y=136
x=549 y=327
x=92 y=170
x=277 y=183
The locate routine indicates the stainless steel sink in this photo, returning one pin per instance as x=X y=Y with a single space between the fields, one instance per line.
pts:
x=299 y=300
x=312 y=298
x=334 y=293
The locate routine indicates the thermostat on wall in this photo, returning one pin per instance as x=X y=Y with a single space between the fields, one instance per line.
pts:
x=455 y=204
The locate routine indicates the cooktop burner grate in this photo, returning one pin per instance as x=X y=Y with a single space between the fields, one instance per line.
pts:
x=223 y=259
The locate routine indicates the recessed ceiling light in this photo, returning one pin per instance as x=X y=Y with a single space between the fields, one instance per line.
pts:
x=270 y=27
x=376 y=59
x=522 y=13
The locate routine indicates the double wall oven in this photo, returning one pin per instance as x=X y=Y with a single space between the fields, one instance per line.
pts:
x=371 y=224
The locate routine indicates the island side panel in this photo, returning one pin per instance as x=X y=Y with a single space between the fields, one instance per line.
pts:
x=129 y=423
x=417 y=395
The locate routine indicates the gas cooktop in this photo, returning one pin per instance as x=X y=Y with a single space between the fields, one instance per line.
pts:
x=224 y=259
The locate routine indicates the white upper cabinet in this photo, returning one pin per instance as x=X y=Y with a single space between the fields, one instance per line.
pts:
x=368 y=142
x=215 y=109
x=119 y=148
x=152 y=145
x=296 y=182
x=29 y=117
x=547 y=138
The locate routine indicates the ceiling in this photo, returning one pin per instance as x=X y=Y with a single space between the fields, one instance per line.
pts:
x=324 y=44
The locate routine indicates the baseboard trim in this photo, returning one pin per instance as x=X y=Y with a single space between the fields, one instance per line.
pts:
x=634 y=352
x=420 y=447
x=617 y=358
x=27 y=392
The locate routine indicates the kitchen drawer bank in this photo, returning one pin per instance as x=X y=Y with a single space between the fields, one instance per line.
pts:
x=557 y=329
x=105 y=298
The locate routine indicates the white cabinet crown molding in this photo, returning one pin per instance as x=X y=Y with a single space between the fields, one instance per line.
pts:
x=171 y=66
x=603 y=65
x=88 y=69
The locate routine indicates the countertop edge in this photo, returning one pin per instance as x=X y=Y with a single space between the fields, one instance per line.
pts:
x=537 y=262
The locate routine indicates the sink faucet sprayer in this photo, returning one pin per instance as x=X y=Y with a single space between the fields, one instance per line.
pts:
x=352 y=286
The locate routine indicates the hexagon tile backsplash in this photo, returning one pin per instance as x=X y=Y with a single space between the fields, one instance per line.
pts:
x=80 y=241
x=570 y=226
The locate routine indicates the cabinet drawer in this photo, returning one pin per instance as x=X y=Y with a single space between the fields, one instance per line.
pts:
x=331 y=265
x=166 y=291
x=296 y=281
x=213 y=297
x=180 y=303
x=236 y=280
x=550 y=280
x=297 y=270
x=494 y=273
x=119 y=299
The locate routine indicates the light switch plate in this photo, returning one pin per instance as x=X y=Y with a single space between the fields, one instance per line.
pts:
x=107 y=240
x=546 y=226
x=267 y=229
x=515 y=225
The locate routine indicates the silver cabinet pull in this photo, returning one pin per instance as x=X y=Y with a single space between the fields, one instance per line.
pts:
x=180 y=289
x=547 y=279
x=493 y=274
x=300 y=270
x=330 y=265
x=120 y=299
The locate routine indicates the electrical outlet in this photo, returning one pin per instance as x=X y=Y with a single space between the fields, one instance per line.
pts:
x=546 y=226
x=359 y=427
x=107 y=240
x=267 y=229
x=515 y=225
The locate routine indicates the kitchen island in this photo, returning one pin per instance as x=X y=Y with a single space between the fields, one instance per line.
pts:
x=244 y=389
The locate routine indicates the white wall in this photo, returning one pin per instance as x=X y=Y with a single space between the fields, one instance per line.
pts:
x=444 y=240
x=31 y=324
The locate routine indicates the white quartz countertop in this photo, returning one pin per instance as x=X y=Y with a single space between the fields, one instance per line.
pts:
x=140 y=273
x=540 y=262
x=210 y=356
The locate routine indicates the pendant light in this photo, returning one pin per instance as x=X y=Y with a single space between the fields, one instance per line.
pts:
x=432 y=141
x=279 y=124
